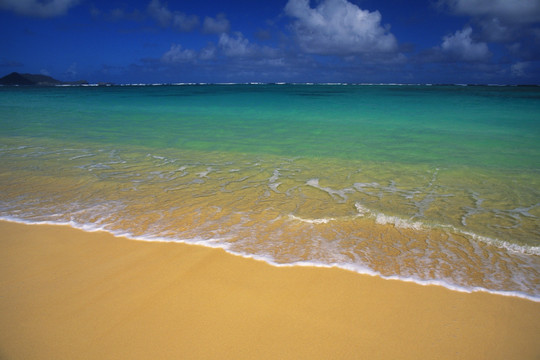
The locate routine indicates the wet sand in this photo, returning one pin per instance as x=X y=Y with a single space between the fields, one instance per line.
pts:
x=69 y=294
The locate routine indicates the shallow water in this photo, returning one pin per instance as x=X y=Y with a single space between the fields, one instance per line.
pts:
x=430 y=184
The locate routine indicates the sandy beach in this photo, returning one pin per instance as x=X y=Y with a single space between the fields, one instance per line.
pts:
x=69 y=294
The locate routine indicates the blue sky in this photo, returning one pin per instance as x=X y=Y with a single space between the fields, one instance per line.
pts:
x=361 y=41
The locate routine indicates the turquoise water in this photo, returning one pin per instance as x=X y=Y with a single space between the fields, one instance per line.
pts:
x=435 y=184
x=485 y=126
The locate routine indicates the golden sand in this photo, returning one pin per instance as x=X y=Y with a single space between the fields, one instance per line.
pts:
x=68 y=294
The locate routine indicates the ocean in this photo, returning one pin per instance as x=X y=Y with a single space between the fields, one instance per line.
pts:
x=431 y=184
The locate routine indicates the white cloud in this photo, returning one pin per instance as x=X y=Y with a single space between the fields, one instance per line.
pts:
x=235 y=46
x=495 y=30
x=512 y=11
x=160 y=13
x=460 y=46
x=208 y=52
x=518 y=69
x=37 y=8
x=165 y=17
x=338 y=27
x=178 y=55
x=185 y=22
x=512 y=22
x=216 y=26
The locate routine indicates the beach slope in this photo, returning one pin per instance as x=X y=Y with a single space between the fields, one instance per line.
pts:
x=69 y=294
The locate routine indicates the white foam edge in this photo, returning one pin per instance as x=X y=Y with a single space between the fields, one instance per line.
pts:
x=312 y=221
x=383 y=219
x=514 y=248
x=217 y=244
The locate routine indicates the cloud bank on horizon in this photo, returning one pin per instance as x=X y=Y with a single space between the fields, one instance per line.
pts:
x=431 y=41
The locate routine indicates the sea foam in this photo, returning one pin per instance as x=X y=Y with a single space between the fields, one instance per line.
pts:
x=219 y=244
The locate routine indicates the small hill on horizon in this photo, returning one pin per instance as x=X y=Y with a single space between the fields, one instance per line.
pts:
x=35 y=79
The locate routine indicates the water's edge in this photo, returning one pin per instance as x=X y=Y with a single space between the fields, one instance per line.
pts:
x=216 y=245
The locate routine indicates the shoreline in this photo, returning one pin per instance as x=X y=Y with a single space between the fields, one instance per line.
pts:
x=344 y=267
x=70 y=294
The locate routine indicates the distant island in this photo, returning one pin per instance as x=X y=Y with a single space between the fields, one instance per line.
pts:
x=36 y=80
